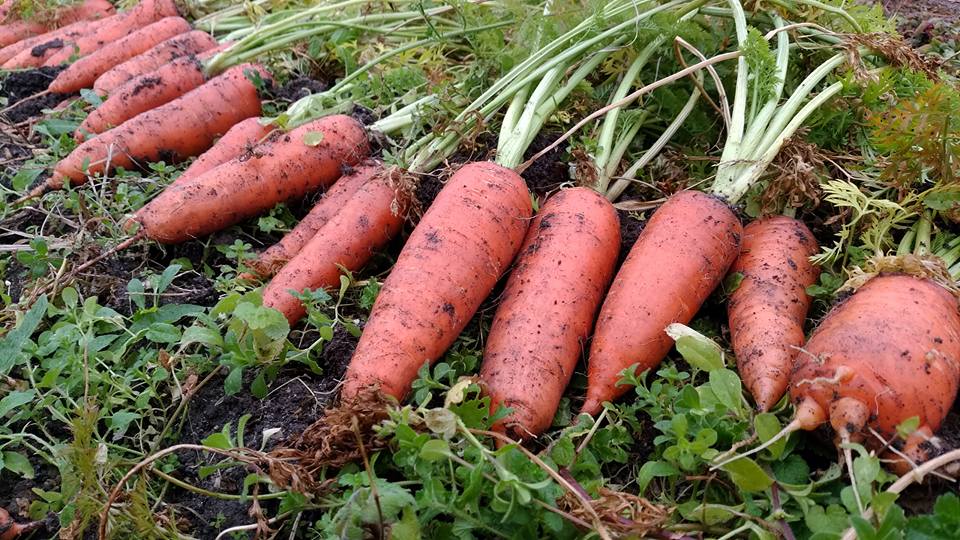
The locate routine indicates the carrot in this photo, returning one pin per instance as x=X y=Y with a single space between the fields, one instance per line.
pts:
x=18 y=55
x=89 y=10
x=281 y=169
x=450 y=263
x=273 y=258
x=83 y=72
x=116 y=27
x=20 y=30
x=680 y=257
x=182 y=128
x=768 y=309
x=144 y=93
x=888 y=353
x=239 y=140
x=11 y=530
x=372 y=216
x=548 y=307
x=193 y=42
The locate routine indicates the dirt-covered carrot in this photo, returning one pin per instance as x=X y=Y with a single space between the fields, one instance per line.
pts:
x=16 y=55
x=289 y=166
x=680 y=257
x=83 y=72
x=768 y=308
x=888 y=353
x=193 y=42
x=690 y=242
x=144 y=93
x=372 y=216
x=137 y=17
x=180 y=129
x=458 y=251
x=89 y=10
x=238 y=141
x=273 y=258
x=11 y=530
x=548 y=307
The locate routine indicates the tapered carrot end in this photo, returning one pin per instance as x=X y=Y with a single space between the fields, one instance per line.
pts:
x=39 y=191
x=767 y=393
x=919 y=447
x=810 y=414
x=591 y=406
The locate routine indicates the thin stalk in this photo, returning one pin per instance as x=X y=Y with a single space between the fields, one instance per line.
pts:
x=737 y=122
x=621 y=185
x=533 y=69
x=609 y=127
x=739 y=187
x=762 y=118
x=300 y=111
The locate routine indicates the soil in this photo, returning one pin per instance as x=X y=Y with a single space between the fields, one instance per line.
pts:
x=297 y=88
x=14 y=151
x=295 y=401
x=17 y=494
x=19 y=85
x=630 y=229
x=921 y=21
x=547 y=173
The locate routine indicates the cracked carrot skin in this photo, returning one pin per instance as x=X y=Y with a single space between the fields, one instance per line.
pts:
x=283 y=168
x=891 y=349
x=276 y=256
x=679 y=259
x=192 y=42
x=85 y=71
x=146 y=92
x=173 y=132
x=548 y=308
x=371 y=217
x=768 y=309
x=449 y=265
x=15 y=31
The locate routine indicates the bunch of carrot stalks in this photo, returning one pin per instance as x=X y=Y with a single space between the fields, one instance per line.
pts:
x=174 y=93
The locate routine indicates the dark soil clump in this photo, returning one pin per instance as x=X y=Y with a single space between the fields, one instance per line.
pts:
x=14 y=151
x=630 y=229
x=294 y=402
x=428 y=187
x=363 y=115
x=547 y=173
x=298 y=88
x=18 y=86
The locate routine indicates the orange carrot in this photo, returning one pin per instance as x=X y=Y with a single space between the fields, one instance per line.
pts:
x=83 y=72
x=145 y=93
x=888 y=353
x=116 y=27
x=238 y=141
x=182 y=128
x=548 y=307
x=18 y=55
x=11 y=530
x=454 y=257
x=273 y=258
x=283 y=168
x=768 y=309
x=681 y=256
x=89 y=10
x=369 y=219
x=193 y=42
